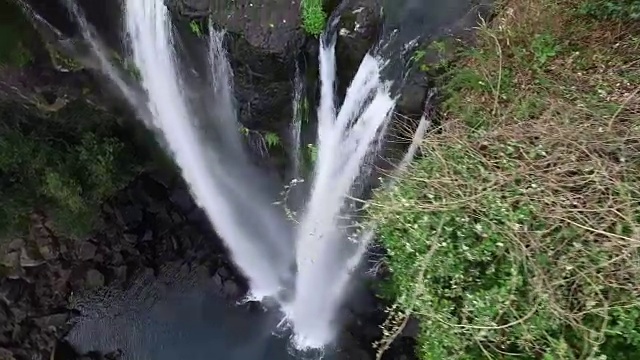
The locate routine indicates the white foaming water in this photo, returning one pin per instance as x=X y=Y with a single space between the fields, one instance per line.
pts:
x=223 y=187
x=226 y=187
x=326 y=248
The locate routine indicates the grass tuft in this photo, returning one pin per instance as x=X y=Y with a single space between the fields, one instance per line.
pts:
x=517 y=232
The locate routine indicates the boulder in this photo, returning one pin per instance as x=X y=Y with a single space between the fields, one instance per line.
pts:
x=87 y=250
x=192 y=8
x=94 y=279
x=6 y=354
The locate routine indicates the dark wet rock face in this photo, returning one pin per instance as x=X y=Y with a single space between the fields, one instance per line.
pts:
x=43 y=271
x=358 y=30
x=269 y=25
x=263 y=85
x=33 y=294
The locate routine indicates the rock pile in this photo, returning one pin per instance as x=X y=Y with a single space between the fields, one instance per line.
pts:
x=147 y=225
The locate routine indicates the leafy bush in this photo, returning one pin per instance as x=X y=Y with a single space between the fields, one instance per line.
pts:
x=515 y=235
x=64 y=165
x=313 y=17
x=626 y=10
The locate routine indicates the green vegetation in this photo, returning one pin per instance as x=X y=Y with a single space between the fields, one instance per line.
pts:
x=61 y=61
x=516 y=235
x=272 y=139
x=15 y=36
x=196 y=28
x=312 y=153
x=612 y=9
x=313 y=17
x=65 y=165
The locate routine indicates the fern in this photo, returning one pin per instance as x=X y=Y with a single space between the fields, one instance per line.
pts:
x=272 y=139
x=196 y=28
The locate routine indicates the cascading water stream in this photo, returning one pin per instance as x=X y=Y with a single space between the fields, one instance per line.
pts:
x=224 y=189
x=296 y=125
x=326 y=248
x=227 y=188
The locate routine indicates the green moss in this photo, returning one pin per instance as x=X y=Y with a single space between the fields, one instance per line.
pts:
x=16 y=33
x=63 y=62
x=65 y=165
x=313 y=17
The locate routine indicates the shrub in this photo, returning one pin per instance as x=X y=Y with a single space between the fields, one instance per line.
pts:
x=313 y=17
x=625 y=10
x=15 y=35
x=515 y=235
x=62 y=167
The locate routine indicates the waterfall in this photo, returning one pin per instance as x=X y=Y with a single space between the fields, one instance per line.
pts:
x=201 y=133
x=219 y=174
x=296 y=124
x=326 y=246
x=225 y=186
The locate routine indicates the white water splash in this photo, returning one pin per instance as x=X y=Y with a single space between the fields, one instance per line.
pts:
x=347 y=141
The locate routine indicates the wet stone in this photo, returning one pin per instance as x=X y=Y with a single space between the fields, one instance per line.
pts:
x=223 y=272
x=4 y=315
x=11 y=259
x=182 y=200
x=94 y=279
x=231 y=290
x=87 y=251
x=130 y=216
x=5 y=354
x=120 y=273
x=48 y=252
x=217 y=280
x=30 y=258
x=11 y=291
x=198 y=216
x=117 y=258
x=131 y=238
x=55 y=320
x=148 y=236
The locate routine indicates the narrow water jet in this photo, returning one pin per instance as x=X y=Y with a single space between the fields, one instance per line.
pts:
x=295 y=129
x=326 y=246
x=225 y=190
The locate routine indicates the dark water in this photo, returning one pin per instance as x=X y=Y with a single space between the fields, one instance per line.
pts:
x=160 y=320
